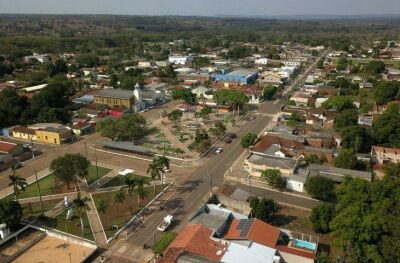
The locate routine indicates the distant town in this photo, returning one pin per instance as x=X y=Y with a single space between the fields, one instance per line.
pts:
x=184 y=139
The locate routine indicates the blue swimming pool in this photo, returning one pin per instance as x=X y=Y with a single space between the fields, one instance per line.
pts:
x=304 y=244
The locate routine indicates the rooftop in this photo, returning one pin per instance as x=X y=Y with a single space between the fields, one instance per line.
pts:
x=337 y=174
x=6 y=147
x=253 y=230
x=272 y=161
x=241 y=72
x=115 y=93
x=254 y=253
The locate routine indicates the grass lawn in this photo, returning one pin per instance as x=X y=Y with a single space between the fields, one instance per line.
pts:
x=117 y=213
x=119 y=180
x=92 y=175
x=32 y=209
x=72 y=227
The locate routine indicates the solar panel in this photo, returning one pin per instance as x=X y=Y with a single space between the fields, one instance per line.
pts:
x=244 y=225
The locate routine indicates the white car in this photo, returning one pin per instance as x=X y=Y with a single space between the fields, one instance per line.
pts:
x=167 y=221
x=219 y=150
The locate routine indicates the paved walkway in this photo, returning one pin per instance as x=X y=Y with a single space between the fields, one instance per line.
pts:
x=95 y=222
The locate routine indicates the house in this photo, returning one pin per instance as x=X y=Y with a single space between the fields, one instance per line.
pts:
x=385 y=155
x=200 y=77
x=10 y=148
x=146 y=64
x=241 y=76
x=202 y=91
x=255 y=164
x=261 y=61
x=301 y=99
x=40 y=58
x=51 y=133
x=82 y=128
x=180 y=60
x=195 y=240
x=271 y=78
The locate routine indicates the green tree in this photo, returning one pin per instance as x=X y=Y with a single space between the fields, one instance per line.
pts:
x=101 y=206
x=392 y=170
x=365 y=227
x=219 y=129
x=119 y=197
x=10 y=213
x=273 y=178
x=62 y=170
x=310 y=159
x=18 y=184
x=130 y=184
x=80 y=206
x=323 y=257
x=321 y=188
x=248 y=140
x=346 y=159
x=163 y=164
x=357 y=138
x=263 y=209
x=142 y=192
x=185 y=94
x=269 y=92
x=374 y=67
x=154 y=171
x=233 y=98
x=346 y=118
x=386 y=130
x=165 y=239
x=339 y=103
x=126 y=128
x=386 y=91
x=321 y=216
x=342 y=63
x=175 y=116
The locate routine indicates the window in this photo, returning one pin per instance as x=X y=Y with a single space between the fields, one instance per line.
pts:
x=55 y=140
x=46 y=138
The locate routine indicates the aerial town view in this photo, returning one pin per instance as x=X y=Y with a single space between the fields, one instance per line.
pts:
x=200 y=131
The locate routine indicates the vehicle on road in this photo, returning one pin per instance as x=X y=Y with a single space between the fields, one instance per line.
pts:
x=167 y=221
x=232 y=135
x=227 y=140
x=219 y=150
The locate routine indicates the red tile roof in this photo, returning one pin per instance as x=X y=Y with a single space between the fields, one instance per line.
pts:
x=6 y=147
x=376 y=149
x=194 y=239
x=296 y=252
x=259 y=232
x=268 y=140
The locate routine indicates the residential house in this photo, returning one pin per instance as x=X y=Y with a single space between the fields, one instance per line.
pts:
x=146 y=64
x=180 y=60
x=271 y=78
x=51 y=133
x=385 y=154
x=82 y=128
x=292 y=63
x=301 y=99
x=255 y=164
x=10 y=148
x=336 y=174
x=200 y=77
x=261 y=61
x=40 y=58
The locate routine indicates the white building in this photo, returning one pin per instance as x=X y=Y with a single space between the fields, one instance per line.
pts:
x=291 y=63
x=40 y=58
x=180 y=60
x=261 y=61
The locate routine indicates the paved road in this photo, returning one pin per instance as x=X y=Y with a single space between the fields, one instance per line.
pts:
x=190 y=192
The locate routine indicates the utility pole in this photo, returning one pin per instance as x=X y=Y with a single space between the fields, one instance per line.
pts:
x=97 y=168
x=33 y=153
x=40 y=194
x=211 y=182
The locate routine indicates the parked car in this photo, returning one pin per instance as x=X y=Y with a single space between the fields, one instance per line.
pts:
x=228 y=140
x=232 y=135
x=167 y=221
x=219 y=150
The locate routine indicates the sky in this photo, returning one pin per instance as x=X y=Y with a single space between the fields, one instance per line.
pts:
x=203 y=7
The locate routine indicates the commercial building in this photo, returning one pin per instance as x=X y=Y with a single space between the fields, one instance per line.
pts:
x=241 y=76
x=51 y=133
x=128 y=99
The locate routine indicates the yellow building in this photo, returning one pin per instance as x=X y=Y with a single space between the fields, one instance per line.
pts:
x=51 y=135
x=115 y=98
x=54 y=135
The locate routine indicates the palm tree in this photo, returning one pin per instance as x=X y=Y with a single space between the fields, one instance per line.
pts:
x=154 y=173
x=142 y=192
x=101 y=206
x=130 y=184
x=119 y=197
x=18 y=183
x=163 y=165
x=79 y=204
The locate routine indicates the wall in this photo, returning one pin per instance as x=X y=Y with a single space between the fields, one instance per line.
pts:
x=290 y=258
x=256 y=170
x=112 y=102
x=48 y=137
x=294 y=185
x=235 y=205
x=24 y=136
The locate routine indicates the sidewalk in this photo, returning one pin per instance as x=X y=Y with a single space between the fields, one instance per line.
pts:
x=95 y=222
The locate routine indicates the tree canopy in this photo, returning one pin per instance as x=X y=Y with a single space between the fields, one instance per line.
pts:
x=321 y=216
x=346 y=118
x=263 y=209
x=248 y=140
x=339 y=103
x=230 y=97
x=386 y=130
x=126 y=128
x=321 y=188
x=386 y=91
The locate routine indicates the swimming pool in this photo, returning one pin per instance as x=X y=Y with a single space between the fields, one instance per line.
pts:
x=304 y=244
